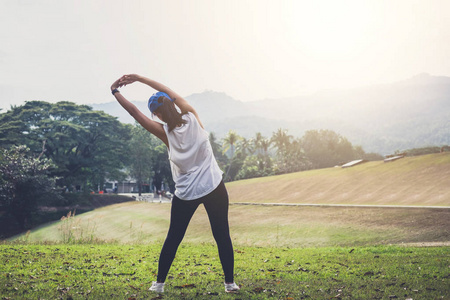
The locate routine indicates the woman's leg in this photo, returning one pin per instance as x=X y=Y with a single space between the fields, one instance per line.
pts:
x=180 y=216
x=216 y=206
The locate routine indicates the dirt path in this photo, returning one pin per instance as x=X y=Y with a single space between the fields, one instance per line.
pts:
x=337 y=205
x=426 y=244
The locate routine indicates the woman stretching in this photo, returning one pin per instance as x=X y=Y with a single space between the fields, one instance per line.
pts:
x=197 y=177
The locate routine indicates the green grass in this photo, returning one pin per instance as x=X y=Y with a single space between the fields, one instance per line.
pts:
x=126 y=271
x=280 y=252
x=264 y=226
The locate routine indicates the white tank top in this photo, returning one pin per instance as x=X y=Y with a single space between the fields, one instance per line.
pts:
x=194 y=167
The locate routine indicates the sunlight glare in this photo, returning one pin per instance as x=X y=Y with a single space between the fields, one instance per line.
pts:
x=332 y=29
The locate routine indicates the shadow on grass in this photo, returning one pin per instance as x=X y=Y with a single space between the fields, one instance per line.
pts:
x=9 y=226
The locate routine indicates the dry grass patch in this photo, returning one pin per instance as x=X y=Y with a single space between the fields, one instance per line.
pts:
x=138 y=222
x=421 y=180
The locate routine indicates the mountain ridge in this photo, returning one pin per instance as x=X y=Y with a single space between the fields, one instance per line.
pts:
x=381 y=118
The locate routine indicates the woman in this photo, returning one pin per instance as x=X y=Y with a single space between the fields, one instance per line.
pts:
x=197 y=177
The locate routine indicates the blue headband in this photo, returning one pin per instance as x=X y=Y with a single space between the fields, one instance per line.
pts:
x=154 y=104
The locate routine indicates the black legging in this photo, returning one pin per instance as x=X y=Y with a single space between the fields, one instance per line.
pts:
x=216 y=205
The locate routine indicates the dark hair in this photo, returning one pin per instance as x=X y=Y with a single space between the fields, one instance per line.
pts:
x=169 y=113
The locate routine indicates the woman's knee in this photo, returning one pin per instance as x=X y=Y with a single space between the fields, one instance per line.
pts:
x=222 y=235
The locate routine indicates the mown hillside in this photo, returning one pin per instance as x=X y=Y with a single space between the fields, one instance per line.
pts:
x=419 y=180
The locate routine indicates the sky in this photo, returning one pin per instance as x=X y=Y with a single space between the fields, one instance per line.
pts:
x=66 y=50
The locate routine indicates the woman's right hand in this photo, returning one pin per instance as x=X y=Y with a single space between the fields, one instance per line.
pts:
x=116 y=84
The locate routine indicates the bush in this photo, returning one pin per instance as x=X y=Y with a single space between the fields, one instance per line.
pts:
x=24 y=183
x=423 y=151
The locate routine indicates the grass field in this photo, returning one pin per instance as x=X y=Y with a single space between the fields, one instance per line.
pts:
x=281 y=252
x=268 y=226
x=125 y=272
x=295 y=226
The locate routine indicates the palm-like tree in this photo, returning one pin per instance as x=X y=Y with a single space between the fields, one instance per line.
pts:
x=257 y=141
x=281 y=140
x=217 y=148
x=246 y=146
x=229 y=143
x=264 y=145
x=213 y=140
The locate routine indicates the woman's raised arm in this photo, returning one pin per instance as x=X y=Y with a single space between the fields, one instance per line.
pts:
x=178 y=100
x=152 y=126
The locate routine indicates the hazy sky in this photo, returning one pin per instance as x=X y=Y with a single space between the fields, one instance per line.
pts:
x=250 y=49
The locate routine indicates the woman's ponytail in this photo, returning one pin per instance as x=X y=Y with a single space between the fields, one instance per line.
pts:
x=170 y=114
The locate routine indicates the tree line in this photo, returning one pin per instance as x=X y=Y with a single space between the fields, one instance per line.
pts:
x=243 y=158
x=50 y=149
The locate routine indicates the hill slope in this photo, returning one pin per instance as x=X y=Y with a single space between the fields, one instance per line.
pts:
x=413 y=181
x=420 y=180
x=141 y=222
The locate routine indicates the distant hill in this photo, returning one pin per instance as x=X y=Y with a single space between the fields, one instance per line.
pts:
x=383 y=118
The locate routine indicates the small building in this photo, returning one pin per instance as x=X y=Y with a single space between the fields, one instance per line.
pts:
x=393 y=158
x=353 y=163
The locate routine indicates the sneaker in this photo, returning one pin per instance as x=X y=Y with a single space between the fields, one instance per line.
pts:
x=231 y=287
x=157 y=287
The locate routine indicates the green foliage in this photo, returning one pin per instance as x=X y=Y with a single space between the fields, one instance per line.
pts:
x=229 y=142
x=24 y=183
x=255 y=166
x=326 y=148
x=217 y=150
x=426 y=150
x=87 y=146
x=316 y=149
x=126 y=271
x=235 y=161
x=282 y=153
x=360 y=154
x=142 y=154
x=161 y=167
x=148 y=159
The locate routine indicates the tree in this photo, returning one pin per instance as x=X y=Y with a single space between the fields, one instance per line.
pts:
x=217 y=150
x=161 y=167
x=258 y=163
x=246 y=146
x=257 y=141
x=142 y=145
x=25 y=183
x=86 y=145
x=326 y=148
x=229 y=144
x=282 y=141
x=264 y=146
x=296 y=157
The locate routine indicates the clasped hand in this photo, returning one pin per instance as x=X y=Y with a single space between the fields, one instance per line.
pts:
x=124 y=80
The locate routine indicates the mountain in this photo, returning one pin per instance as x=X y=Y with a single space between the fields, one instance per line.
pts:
x=383 y=118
